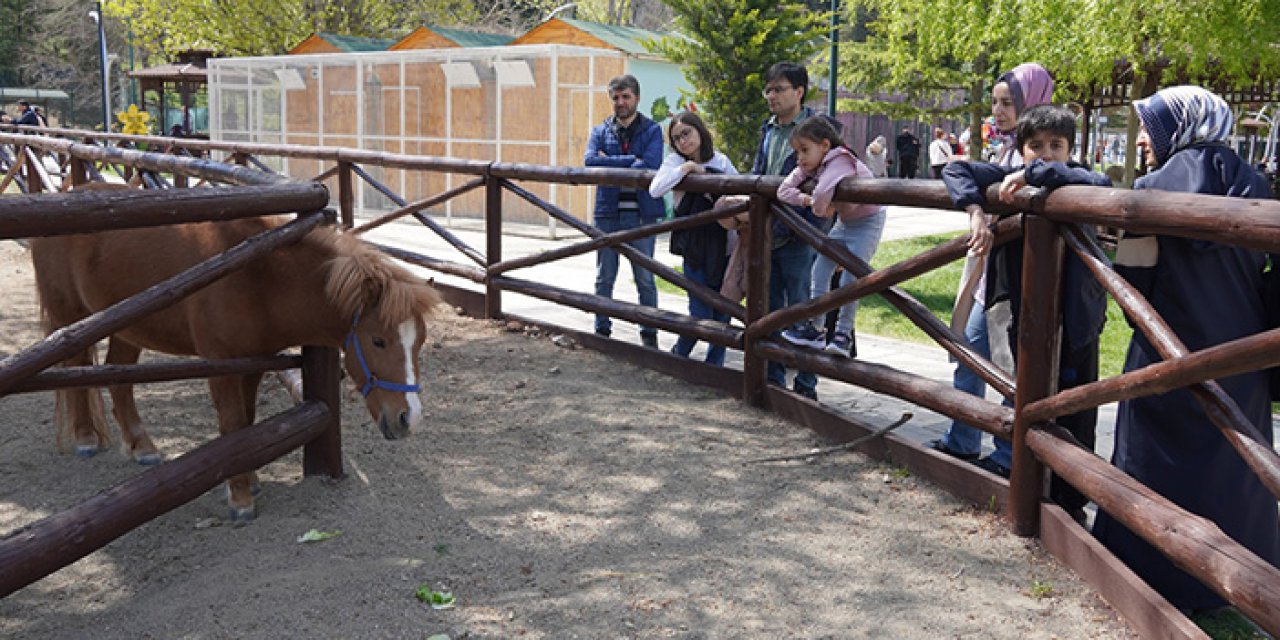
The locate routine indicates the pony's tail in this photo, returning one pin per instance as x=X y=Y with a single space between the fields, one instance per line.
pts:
x=75 y=406
x=67 y=410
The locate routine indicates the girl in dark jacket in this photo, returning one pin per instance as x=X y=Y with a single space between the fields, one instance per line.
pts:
x=704 y=248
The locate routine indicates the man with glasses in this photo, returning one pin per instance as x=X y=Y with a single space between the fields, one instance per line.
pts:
x=626 y=139
x=791 y=261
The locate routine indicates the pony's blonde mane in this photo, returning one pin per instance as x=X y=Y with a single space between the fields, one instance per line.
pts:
x=359 y=278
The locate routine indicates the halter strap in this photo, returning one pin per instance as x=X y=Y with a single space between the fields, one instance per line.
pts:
x=371 y=381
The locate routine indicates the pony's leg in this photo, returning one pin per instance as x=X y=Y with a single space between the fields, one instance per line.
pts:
x=249 y=387
x=80 y=415
x=134 y=439
x=235 y=412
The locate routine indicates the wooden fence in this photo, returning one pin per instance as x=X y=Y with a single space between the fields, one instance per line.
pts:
x=47 y=545
x=1194 y=543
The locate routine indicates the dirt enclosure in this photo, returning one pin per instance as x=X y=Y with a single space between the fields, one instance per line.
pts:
x=555 y=493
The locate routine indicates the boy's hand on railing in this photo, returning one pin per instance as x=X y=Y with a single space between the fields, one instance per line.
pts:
x=1011 y=184
x=980 y=236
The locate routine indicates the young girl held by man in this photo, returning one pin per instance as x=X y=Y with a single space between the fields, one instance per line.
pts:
x=822 y=156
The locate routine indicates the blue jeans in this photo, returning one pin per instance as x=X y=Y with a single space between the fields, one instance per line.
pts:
x=791 y=265
x=861 y=237
x=961 y=437
x=607 y=268
x=702 y=311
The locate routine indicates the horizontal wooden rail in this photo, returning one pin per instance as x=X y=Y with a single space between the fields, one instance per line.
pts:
x=931 y=394
x=38 y=549
x=150 y=161
x=71 y=339
x=100 y=210
x=105 y=375
x=1192 y=542
x=1251 y=223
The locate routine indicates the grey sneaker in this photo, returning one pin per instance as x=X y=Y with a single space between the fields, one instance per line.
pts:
x=839 y=345
x=805 y=335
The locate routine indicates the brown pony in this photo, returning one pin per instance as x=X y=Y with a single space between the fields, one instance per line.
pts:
x=328 y=289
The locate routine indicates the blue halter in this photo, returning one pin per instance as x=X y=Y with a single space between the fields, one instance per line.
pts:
x=371 y=381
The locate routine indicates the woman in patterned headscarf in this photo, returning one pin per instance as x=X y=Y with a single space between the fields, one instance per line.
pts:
x=1208 y=294
x=982 y=300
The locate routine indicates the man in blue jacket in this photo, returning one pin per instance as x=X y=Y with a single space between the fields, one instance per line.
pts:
x=28 y=115
x=626 y=139
x=791 y=262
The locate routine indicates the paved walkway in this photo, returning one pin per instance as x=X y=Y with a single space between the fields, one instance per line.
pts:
x=578 y=274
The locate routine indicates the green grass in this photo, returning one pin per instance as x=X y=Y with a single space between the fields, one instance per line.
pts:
x=1227 y=624
x=937 y=291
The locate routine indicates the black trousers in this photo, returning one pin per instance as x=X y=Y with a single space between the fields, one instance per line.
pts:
x=907 y=167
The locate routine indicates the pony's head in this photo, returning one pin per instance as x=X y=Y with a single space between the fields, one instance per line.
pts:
x=386 y=305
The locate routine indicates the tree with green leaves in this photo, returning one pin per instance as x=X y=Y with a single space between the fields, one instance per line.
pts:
x=250 y=27
x=725 y=47
x=931 y=52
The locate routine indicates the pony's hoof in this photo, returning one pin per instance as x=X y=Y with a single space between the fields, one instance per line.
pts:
x=86 y=450
x=148 y=459
x=240 y=516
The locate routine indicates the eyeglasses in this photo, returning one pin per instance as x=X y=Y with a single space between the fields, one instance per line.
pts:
x=682 y=136
x=775 y=88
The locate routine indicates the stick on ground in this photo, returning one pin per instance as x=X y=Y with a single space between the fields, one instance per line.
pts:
x=848 y=446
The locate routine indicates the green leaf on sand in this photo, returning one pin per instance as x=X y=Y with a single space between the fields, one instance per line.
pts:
x=315 y=535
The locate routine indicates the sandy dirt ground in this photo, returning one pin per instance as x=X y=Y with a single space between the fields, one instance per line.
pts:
x=555 y=493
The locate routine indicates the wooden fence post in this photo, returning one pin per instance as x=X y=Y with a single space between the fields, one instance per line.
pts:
x=755 y=369
x=346 y=195
x=1037 y=369
x=493 y=242
x=321 y=381
x=77 y=172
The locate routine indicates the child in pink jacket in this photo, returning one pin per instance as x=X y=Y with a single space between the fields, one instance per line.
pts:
x=822 y=155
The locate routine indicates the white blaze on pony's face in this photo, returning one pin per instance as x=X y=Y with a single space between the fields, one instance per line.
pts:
x=383 y=363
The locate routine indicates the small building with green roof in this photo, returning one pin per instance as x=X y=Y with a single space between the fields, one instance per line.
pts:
x=334 y=43
x=432 y=37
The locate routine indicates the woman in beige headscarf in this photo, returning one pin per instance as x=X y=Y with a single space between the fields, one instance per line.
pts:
x=877 y=158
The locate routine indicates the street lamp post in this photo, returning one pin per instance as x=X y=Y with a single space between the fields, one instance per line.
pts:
x=98 y=18
x=835 y=53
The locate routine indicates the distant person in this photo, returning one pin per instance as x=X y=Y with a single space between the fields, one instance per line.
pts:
x=956 y=150
x=26 y=115
x=822 y=156
x=939 y=152
x=877 y=159
x=908 y=146
x=628 y=140
x=44 y=122
x=1208 y=293
x=704 y=248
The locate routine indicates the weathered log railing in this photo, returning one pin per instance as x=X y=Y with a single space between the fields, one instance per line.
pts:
x=1193 y=543
x=47 y=545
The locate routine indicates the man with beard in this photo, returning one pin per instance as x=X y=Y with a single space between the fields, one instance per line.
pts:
x=626 y=139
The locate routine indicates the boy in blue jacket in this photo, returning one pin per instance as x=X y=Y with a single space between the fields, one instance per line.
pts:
x=1045 y=135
